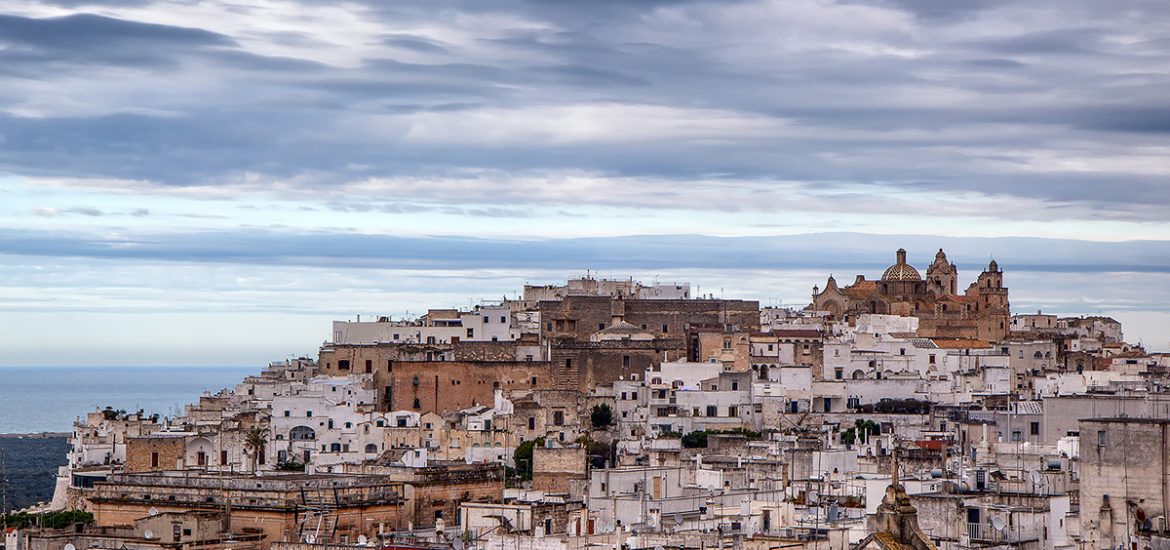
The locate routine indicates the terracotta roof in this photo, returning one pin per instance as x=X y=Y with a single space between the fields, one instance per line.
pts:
x=797 y=333
x=960 y=343
x=861 y=289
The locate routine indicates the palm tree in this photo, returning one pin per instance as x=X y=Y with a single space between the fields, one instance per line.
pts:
x=255 y=442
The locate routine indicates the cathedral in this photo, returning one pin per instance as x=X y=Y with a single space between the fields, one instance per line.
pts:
x=982 y=312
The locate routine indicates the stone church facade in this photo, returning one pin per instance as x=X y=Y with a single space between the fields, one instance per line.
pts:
x=982 y=312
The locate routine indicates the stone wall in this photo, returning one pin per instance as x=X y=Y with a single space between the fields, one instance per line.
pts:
x=440 y=386
x=140 y=450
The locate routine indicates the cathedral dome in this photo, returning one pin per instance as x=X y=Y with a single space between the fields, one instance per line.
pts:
x=901 y=271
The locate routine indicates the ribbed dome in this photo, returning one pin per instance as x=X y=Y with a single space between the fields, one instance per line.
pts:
x=901 y=271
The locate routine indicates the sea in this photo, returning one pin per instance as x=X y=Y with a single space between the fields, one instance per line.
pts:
x=49 y=399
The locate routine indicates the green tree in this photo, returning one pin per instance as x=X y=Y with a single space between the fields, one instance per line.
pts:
x=522 y=457
x=695 y=439
x=254 y=443
x=602 y=416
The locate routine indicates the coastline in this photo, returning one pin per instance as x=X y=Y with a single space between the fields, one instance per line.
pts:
x=38 y=435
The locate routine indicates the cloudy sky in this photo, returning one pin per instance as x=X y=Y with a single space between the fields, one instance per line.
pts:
x=213 y=182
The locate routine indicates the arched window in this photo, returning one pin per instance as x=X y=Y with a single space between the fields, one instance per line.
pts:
x=858 y=374
x=371 y=448
x=335 y=447
x=302 y=433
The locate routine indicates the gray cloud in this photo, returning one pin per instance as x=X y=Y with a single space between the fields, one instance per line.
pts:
x=1060 y=104
x=823 y=252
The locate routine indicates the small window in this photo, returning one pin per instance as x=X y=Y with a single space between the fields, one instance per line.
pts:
x=343 y=364
x=417 y=404
x=1102 y=440
x=1034 y=428
x=626 y=361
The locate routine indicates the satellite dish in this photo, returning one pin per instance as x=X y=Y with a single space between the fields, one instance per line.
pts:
x=997 y=523
x=362 y=539
x=70 y=546
x=147 y=535
x=153 y=511
x=1036 y=479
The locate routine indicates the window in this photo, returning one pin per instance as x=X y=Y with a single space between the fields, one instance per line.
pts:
x=348 y=425
x=532 y=423
x=1016 y=435
x=931 y=359
x=287 y=413
x=733 y=411
x=369 y=365
x=838 y=373
x=626 y=361
x=558 y=418
x=1034 y=428
x=503 y=319
x=901 y=351
x=154 y=460
x=712 y=410
x=734 y=385
x=470 y=333
x=330 y=423
x=600 y=326
x=308 y=414
x=1101 y=438
x=533 y=380
x=568 y=363
x=343 y=364
x=223 y=458
x=665 y=328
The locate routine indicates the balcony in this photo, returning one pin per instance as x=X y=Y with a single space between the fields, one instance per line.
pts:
x=986 y=534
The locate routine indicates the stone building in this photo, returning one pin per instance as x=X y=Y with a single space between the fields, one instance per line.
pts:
x=438 y=386
x=895 y=526
x=981 y=312
x=281 y=507
x=1125 y=480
